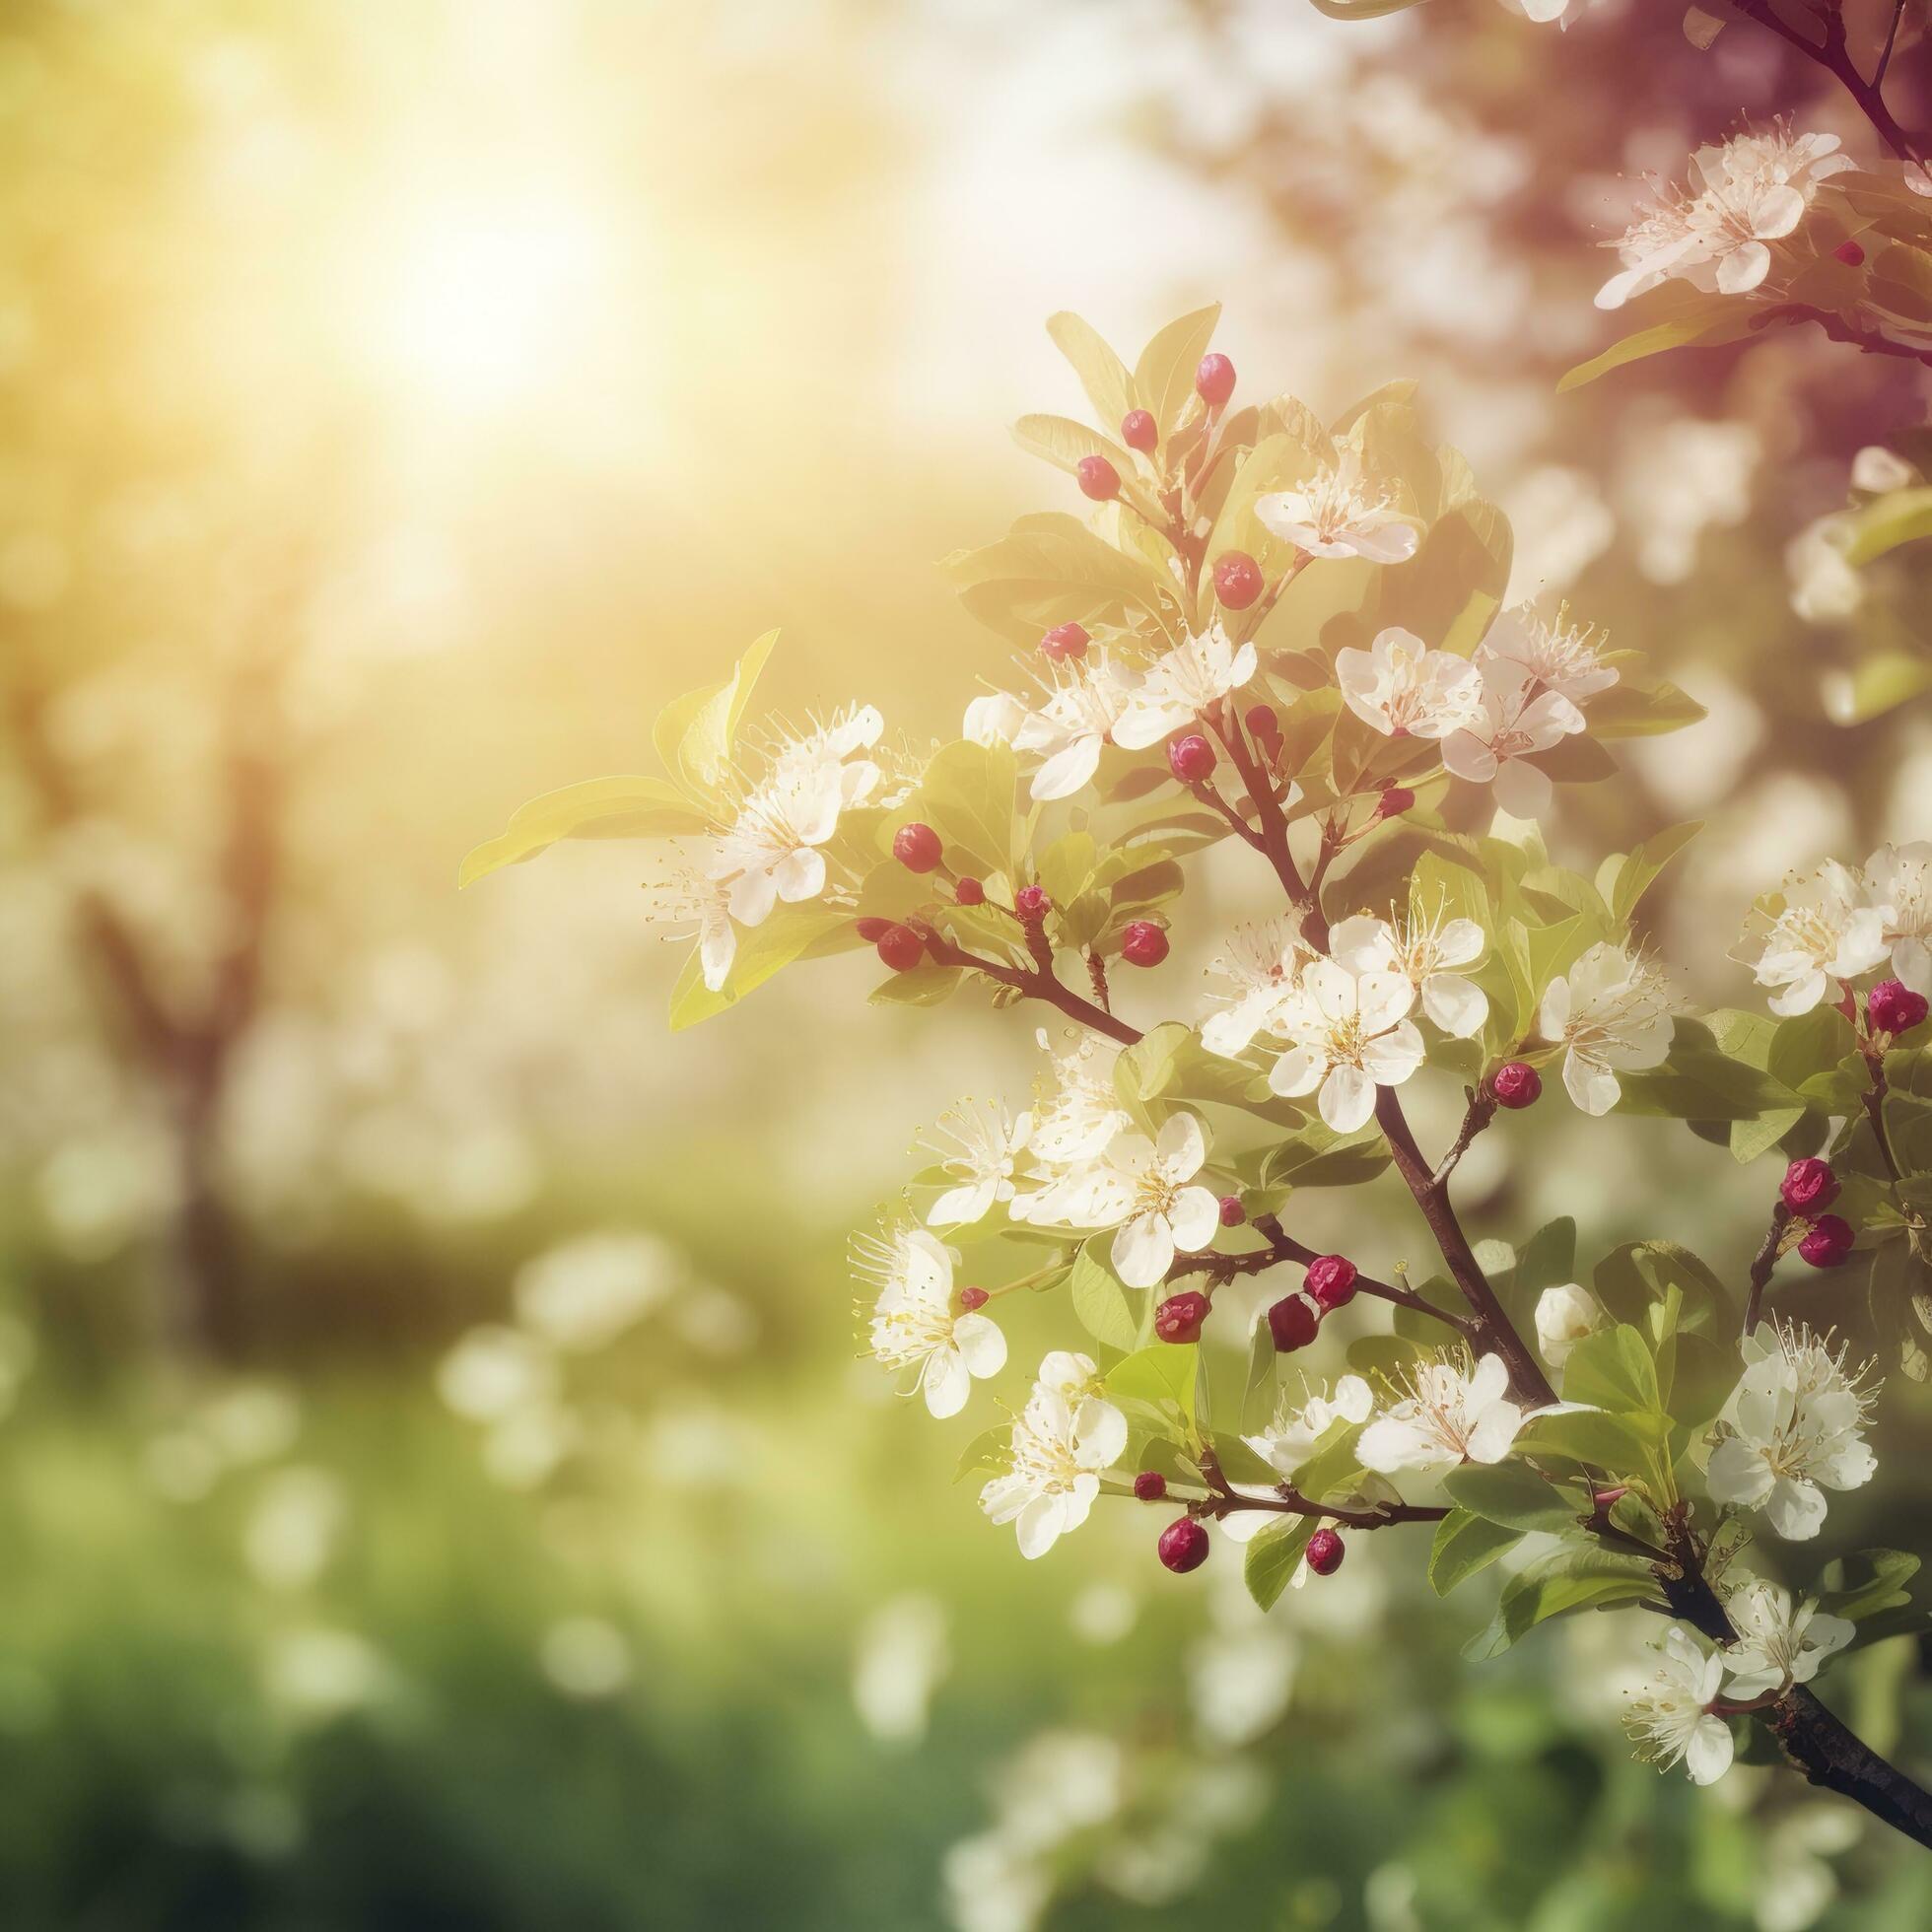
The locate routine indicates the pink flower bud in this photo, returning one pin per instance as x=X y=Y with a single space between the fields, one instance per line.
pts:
x=1183 y=1546
x=1809 y=1186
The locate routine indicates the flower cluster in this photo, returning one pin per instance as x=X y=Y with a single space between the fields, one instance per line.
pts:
x=1209 y=663
x=1749 y=192
x=1841 y=923
x=1793 y=1428
x=1677 y=1717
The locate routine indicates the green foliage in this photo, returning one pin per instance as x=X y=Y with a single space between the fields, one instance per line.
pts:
x=1269 y=1560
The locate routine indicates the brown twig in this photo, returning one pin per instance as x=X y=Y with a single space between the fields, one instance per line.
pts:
x=1814 y=1740
x=1764 y=1261
x=1492 y=1328
x=1037 y=981
x=1283 y=1247
x=1833 y=55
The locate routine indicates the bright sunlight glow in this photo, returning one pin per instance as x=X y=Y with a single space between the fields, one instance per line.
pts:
x=489 y=300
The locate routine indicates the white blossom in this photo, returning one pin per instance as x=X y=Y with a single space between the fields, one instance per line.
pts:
x=1517 y=721
x=1062 y=1441
x=1824 y=929
x=1181 y=685
x=1610 y=1014
x=1082 y=704
x=979 y=1147
x=915 y=1324
x=1336 y=513
x=1424 y=950
x=993 y=718
x=1290 y=1437
x=1902 y=878
x=1752 y=190
x=1777 y=1646
x=1262 y=965
x=1448 y=1416
x=1075 y=1110
x=1793 y=1428
x=1145 y=1191
x=1565 y=1315
x=1670 y=1718
x=1405 y=690
x=1559 y=654
x=683 y=891
x=1350 y=1035
x=772 y=848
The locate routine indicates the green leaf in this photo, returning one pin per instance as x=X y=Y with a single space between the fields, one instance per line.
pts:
x=1564 y=1581
x=1633 y=1280
x=1163 y=378
x=1867 y=1582
x=1102 y=374
x=1512 y=1495
x=1066 y=444
x=1464 y=1543
x=1709 y=319
x=597 y=808
x=763 y=950
x=1269 y=1560
x=1613 y=1369
x=1624 y=879
x=1877 y=684
x=694 y=734
x=1899 y=517
x=1100 y=1303
x=923 y=986
x=1622 y=1445
x=1629 y=710
x=966 y=796
x=1163 y=1375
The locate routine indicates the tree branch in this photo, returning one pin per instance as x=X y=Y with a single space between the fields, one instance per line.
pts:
x=1283 y=1247
x=1763 y=1264
x=1037 y=981
x=1812 y=1739
x=1833 y=54
x=1492 y=1328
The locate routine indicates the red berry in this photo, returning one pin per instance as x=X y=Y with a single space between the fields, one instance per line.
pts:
x=1517 y=1085
x=1183 y=1546
x=969 y=893
x=1808 y=1186
x=1894 y=1008
x=1139 y=431
x=917 y=848
x=901 y=949
x=1330 y=1283
x=1850 y=254
x=1150 y=1486
x=873 y=930
x=1213 y=379
x=1325 y=1552
x=1232 y=1211
x=1032 y=904
x=1828 y=1243
x=1238 y=580
x=1144 y=943
x=1066 y=641
x=1396 y=801
x=971 y=1298
x=1292 y=1322
x=1261 y=722
x=1099 y=479
x=1180 y=1316
x=1191 y=758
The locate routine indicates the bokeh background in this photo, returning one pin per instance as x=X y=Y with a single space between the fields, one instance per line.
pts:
x=437 y=1488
